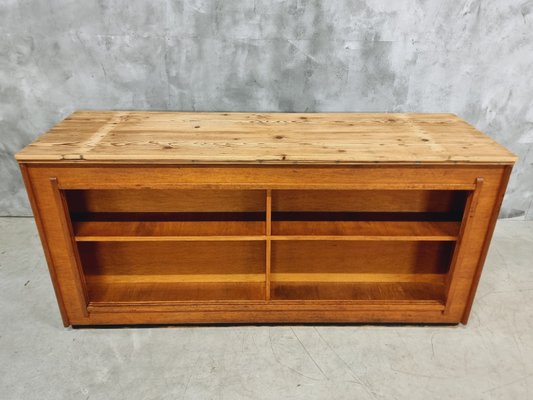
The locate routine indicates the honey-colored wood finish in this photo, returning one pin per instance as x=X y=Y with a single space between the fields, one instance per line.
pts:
x=168 y=218
x=263 y=137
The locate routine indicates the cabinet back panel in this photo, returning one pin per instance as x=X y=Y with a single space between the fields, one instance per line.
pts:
x=165 y=200
x=361 y=257
x=171 y=258
x=369 y=200
x=146 y=292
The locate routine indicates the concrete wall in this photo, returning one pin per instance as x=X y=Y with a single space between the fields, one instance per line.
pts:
x=473 y=58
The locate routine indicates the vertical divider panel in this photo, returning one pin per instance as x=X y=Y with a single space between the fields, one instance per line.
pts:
x=468 y=214
x=268 y=244
x=64 y=220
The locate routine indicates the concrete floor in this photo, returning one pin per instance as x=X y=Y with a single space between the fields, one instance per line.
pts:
x=491 y=358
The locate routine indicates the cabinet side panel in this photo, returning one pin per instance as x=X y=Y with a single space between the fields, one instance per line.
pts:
x=44 y=241
x=56 y=241
x=474 y=244
x=488 y=237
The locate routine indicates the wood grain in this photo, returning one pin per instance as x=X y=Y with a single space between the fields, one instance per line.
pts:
x=356 y=277
x=143 y=292
x=266 y=137
x=403 y=291
x=161 y=201
x=172 y=258
x=368 y=200
x=165 y=230
x=360 y=257
x=367 y=230
x=158 y=218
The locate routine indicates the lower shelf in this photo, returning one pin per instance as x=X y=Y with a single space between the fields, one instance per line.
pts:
x=357 y=291
x=151 y=292
x=374 y=278
x=368 y=230
x=128 y=291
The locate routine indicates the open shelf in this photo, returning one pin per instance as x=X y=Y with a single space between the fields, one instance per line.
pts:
x=165 y=201
x=173 y=271
x=355 y=257
x=360 y=291
x=365 y=215
x=168 y=278
x=322 y=277
x=175 y=226
x=144 y=246
x=150 y=292
x=163 y=214
x=365 y=230
x=360 y=270
x=449 y=202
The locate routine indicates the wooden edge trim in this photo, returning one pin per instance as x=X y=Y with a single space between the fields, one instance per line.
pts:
x=46 y=246
x=272 y=186
x=72 y=249
x=468 y=215
x=268 y=244
x=262 y=306
x=59 y=158
x=486 y=243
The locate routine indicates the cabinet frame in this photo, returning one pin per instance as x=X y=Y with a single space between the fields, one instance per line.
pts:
x=46 y=183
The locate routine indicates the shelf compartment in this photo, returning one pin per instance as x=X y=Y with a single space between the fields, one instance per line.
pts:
x=166 y=214
x=373 y=292
x=172 y=258
x=349 y=257
x=367 y=230
x=158 y=292
x=399 y=201
x=164 y=200
x=168 y=230
x=411 y=271
x=137 y=269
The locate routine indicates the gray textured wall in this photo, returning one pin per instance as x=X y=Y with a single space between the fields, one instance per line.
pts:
x=473 y=58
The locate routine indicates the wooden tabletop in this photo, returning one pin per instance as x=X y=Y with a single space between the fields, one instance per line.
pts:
x=278 y=138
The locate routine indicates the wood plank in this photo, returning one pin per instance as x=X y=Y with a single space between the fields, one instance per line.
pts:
x=368 y=200
x=172 y=258
x=165 y=230
x=268 y=251
x=361 y=257
x=468 y=215
x=265 y=137
x=72 y=251
x=144 y=292
x=366 y=230
x=356 y=277
x=169 y=238
x=393 y=312
x=351 y=238
x=165 y=200
x=491 y=224
x=45 y=243
x=168 y=278
x=376 y=177
x=358 y=291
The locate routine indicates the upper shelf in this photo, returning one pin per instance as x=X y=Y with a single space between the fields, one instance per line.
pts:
x=278 y=138
x=366 y=230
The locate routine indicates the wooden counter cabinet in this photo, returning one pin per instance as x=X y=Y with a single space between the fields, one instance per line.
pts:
x=170 y=218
